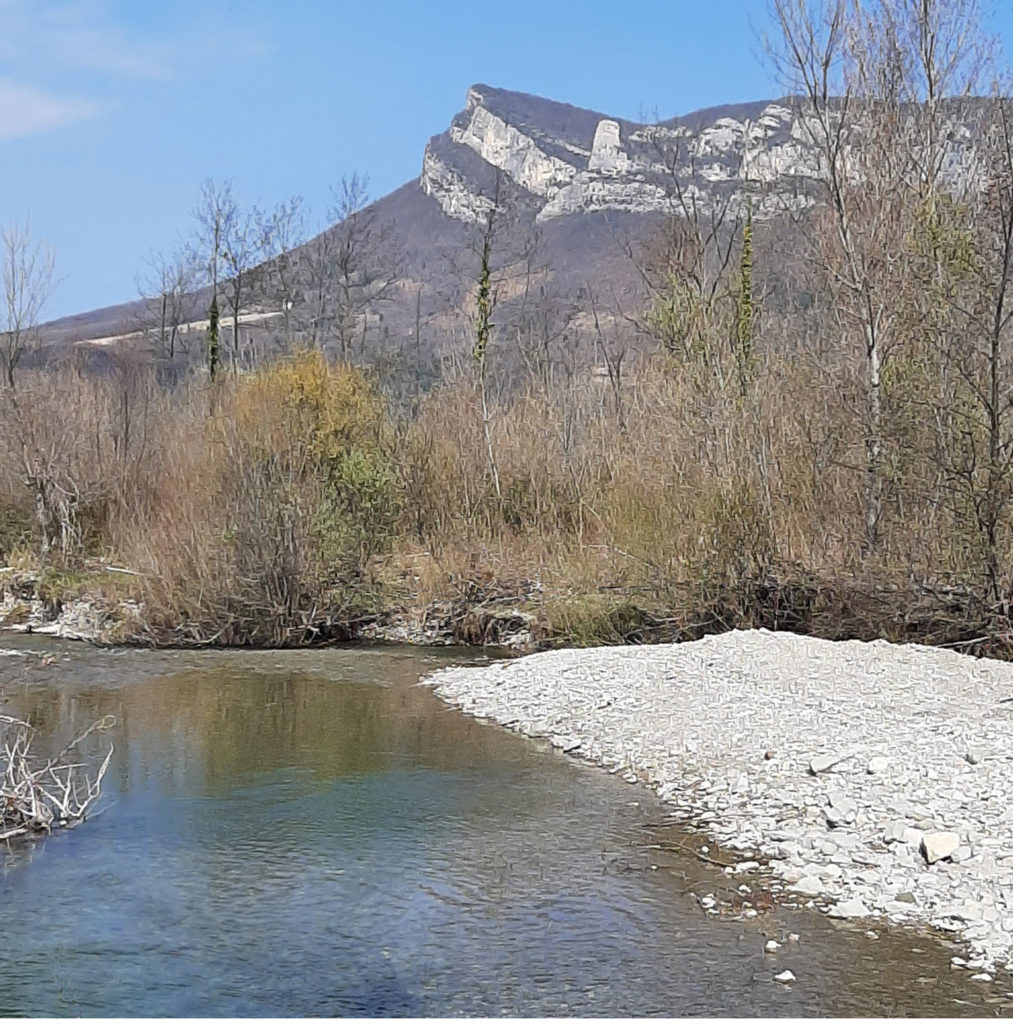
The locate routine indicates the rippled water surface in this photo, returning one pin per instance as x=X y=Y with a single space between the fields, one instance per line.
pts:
x=311 y=833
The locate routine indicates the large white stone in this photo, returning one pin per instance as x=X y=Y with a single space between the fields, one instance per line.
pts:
x=849 y=908
x=810 y=885
x=842 y=810
x=938 y=845
x=824 y=762
x=894 y=832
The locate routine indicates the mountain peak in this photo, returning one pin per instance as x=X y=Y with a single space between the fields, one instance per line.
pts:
x=560 y=159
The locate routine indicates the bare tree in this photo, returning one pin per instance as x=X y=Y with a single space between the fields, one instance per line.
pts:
x=485 y=303
x=27 y=277
x=27 y=270
x=962 y=270
x=850 y=95
x=348 y=272
x=281 y=231
x=214 y=215
x=169 y=301
x=614 y=347
x=879 y=87
x=501 y=255
x=688 y=268
x=243 y=247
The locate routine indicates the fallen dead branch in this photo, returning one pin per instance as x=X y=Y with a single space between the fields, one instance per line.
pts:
x=38 y=795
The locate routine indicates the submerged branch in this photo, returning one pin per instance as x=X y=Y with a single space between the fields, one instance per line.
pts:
x=40 y=794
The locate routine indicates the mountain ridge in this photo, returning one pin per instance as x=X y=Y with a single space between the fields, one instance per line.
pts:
x=578 y=178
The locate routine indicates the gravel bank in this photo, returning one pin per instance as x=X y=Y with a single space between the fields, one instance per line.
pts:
x=846 y=767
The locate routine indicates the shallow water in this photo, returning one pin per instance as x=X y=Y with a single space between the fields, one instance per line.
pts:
x=311 y=833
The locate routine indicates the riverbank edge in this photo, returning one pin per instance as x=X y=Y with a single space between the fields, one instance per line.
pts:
x=29 y=604
x=104 y=604
x=692 y=807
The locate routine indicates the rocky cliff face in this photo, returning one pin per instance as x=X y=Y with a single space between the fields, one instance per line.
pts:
x=562 y=160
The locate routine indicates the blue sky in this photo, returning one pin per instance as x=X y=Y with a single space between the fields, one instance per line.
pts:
x=112 y=112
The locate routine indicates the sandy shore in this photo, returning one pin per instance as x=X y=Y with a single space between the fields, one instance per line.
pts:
x=872 y=780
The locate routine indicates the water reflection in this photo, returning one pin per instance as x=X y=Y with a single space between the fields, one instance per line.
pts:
x=312 y=834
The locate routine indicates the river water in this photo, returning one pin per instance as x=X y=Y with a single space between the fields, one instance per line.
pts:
x=311 y=833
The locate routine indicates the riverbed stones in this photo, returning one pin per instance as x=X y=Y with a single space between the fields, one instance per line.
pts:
x=694 y=720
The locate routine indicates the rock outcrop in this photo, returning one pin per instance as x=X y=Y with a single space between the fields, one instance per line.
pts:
x=565 y=160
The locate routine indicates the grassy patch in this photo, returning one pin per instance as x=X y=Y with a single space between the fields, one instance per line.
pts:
x=593 y=620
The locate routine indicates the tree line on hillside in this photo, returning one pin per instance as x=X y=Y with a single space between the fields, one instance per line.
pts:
x=803 y=423
x=252 y=275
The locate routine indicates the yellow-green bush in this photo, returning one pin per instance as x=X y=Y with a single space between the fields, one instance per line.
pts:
x=271 y=517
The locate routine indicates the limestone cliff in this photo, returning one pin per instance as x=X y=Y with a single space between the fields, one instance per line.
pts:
x=565 y=160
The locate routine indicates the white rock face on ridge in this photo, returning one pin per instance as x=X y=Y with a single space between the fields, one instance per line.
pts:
x=590 y=192
x=741 y=161
x=774 y=116
x=449 y=189
x=655 y=133
x=607 y=154
x=725 y=134
x=517 y=154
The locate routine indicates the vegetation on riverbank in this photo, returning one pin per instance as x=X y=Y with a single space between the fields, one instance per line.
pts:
x=290 y=506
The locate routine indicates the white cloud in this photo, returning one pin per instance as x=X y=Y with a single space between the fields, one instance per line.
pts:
x=57 y=57
x=78 y=34
x=25 y=110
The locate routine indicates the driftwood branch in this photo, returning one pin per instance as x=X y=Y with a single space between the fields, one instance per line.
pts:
x=38 y=795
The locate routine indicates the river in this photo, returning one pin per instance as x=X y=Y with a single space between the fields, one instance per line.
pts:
x=311 y=833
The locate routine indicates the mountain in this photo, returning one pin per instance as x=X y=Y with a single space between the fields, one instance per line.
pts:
x=582 y=188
